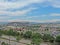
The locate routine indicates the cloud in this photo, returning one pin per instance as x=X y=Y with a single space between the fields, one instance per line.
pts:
x=12 y=13
x=11 y=4
x=16 y=13
x=54 y=14
x=55 y=3
x=36 y=16
x=40 y=21
x=5 y=17
x=52 y=20
x=8 y=5
x=32 y=17
x=15 y=4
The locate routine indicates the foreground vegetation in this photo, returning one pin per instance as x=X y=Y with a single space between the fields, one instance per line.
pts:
x=36 y=38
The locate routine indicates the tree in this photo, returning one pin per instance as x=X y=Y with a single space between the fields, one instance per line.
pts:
x=52 y=39
x=3 y=43
x=36 y=39
x=57 y=40
x=18 y=38
x=0 y=35
x=9 y=33
x=36 y=35
x=28 y=44
x=21 y=33
x=28 y=35
x=48 y=37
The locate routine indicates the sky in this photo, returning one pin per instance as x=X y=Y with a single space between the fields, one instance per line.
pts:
x=30 y=10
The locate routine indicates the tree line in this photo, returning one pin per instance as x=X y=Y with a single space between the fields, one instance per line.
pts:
x=36 y=38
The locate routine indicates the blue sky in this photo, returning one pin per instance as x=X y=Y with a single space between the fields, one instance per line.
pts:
x=30 y=10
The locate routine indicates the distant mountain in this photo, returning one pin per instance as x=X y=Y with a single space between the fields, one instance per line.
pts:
x=20 y=23
x=24 y=23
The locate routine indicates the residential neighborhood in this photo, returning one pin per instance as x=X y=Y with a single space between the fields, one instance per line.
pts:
x=53 y=30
